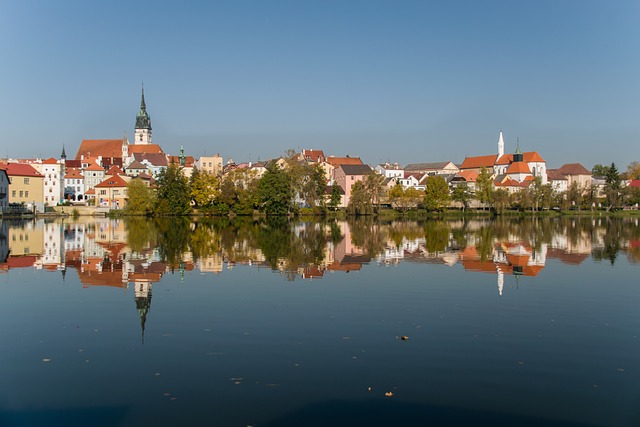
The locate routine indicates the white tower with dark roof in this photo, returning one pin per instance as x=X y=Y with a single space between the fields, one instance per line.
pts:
x=143 y=124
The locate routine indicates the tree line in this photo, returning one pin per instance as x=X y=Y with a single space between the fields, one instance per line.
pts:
x=298 y=187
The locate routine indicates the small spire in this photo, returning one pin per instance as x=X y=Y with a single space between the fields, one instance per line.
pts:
x=63 y=155
x=143 y=105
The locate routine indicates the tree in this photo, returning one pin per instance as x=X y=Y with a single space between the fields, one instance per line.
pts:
x=238 y=191
x=437 y=194
x=462 y=194
x=359 y=202
x=313 y=188
x=336 y=197
x=612 y=187
x=275 y=194
x=574 y=195
x=140 y=198
x=204 y=188
x=173 y=192
x=502 y=200
x=633 y=170
x=484 y=187
x=599 y=170
x=373 y=183
x=404 y=200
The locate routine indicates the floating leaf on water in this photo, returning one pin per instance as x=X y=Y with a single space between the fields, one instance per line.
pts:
x=369 y=389
x=388 y=394
x=403 y=338
x=157 y=374
x=46 y=360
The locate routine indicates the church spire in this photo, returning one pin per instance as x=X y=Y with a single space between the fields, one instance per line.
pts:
x=143 y=123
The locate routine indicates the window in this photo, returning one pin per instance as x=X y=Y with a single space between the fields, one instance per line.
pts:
x=13 y=193
x=26 y=180
x=103 y=192
x=21 y=193
x=26 y=194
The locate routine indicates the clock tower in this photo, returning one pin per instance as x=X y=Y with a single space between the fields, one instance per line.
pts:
x=143 y=124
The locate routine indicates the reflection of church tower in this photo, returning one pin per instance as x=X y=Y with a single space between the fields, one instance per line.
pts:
x=143 y=124
x=142 y=293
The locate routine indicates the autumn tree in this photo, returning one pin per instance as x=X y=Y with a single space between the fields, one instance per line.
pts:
x=205 y=188
x=360 y=200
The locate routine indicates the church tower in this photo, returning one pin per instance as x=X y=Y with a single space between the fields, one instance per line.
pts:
x=500 y=146
x=143 y=124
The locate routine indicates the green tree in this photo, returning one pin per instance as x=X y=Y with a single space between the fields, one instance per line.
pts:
x=336 y=197
x=484 y=187
x=173 y=192
x=599 y=170
x=275 y=194
x=238 y=191
x=140 y=198
x=612 y=187
x=437 y=194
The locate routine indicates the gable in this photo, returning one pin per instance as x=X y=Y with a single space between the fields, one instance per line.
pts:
x=100 y=147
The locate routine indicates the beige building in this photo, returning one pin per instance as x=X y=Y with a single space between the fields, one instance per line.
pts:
x=26 y=186
x=112 y=192
x=210 y=164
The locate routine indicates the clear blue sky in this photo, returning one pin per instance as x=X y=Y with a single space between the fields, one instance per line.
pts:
x=404 y=81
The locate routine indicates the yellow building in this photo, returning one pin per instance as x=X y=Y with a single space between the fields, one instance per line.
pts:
x=26 y=186
x=112 y=192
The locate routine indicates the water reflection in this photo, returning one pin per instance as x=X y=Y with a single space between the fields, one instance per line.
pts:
x=117 y=252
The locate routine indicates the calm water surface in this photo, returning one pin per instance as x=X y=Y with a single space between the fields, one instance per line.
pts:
x=132 y=323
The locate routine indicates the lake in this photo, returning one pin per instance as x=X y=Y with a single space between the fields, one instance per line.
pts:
x=301 y=323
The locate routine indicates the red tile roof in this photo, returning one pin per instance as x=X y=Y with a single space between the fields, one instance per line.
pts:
x=518 y=167
x=114 y=170
x=555 y=175
x=21 y=169
x=337 y=161
x=469 y=175
x=313 y=155
x=477 y=162
x=145 y=149
x=573 y=169
x=635 y=183
x=116 y=181
x=50 y=161
x=100 y=147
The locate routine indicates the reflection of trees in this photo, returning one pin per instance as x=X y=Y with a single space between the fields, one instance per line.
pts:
x=173 y=239
x=287 y=249
x=290 y=246
x=368 y=235
x=141 y=233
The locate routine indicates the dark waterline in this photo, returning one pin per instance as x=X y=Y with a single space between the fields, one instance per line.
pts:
x=508 y=323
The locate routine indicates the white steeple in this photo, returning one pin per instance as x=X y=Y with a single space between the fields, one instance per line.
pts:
x=500 y=145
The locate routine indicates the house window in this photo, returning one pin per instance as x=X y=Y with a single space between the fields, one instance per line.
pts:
x=103 y=192
x=21 y=193
x=26 y=194
x=13 y=193
x=26 y=180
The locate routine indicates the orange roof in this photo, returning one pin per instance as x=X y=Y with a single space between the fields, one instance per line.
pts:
x=91 y=192
x=529 y=157
x=95 y=167
x=73 y=173
x=314 y=155
x=145 y=149
x=337 y=161
x=518 y=167
x=50 y=161
x=115 y=181
x=478 y=162
x=469 y=175
x=100 y=147
x=189 y=160
x=114 y=170
x=21 y=169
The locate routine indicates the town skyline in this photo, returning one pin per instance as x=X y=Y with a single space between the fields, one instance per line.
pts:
x=383 y=81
